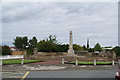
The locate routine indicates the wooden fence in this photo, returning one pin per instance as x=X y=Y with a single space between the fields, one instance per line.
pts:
x=76 y=60
x=12 y=57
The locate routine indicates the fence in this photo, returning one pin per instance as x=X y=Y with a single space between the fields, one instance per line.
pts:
x=94 y=61
x=12 y=57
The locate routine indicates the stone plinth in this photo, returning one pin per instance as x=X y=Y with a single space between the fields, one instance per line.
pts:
x=71 y=52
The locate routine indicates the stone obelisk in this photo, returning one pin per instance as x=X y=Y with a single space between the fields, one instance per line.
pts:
x=70 y=50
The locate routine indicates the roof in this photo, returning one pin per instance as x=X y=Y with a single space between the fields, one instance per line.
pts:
x=13 y=47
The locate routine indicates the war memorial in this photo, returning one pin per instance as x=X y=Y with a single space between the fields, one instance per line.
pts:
x=31 y=49
x=64 y=62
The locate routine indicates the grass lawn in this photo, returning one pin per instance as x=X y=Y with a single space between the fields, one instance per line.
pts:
x=18 y=61
x=90 y=62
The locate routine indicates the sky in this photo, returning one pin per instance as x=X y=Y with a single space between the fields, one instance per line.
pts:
x=97 y=21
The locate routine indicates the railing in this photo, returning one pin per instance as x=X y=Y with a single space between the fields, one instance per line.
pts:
x=63 y=61
x=12 y=57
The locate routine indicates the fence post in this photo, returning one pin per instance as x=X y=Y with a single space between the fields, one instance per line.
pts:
x=94 y=62
x=63 y=62
x=22 y=62
x=113 y=62
x=76 y=62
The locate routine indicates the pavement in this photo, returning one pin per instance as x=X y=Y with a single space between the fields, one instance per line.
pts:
x=49 y=62
x=39 y=67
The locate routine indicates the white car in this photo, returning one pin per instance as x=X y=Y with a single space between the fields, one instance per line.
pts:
x=117 y=76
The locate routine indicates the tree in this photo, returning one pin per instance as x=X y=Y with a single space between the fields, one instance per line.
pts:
x=84 y=47
x=6 y=50
x=77 y=47
x=117 y=50
x=97 y=47
x=63 y=47
x=18 y=42
x=91 y=50
x=46 y=46
x=21 y=42
x=0 y=50
x=52 y=39
x=31 y=45
x=88 y=45
x=33 y=42
x=49 y=44
x=25 y=42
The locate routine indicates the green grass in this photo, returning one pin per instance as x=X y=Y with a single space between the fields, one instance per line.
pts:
x=17 y=61
x=90 y=62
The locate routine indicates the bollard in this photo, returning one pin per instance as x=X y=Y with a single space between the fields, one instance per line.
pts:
x=22 y=62
x=94 y=62
x=76 y=63
x=63 y=62
x=119 y=61
x=0 y=62
x=1 y=69
x=113 y=62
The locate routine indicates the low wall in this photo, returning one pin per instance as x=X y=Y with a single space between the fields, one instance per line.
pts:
x=18 y=52
x=51 y=53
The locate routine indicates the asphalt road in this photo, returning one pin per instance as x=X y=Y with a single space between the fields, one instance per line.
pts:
x=13 y=74
x=73 y=74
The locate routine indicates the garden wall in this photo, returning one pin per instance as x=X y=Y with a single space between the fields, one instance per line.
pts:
x=51 y=53
x=18 y=52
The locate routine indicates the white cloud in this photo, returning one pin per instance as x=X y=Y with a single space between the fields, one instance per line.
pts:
x=95 y=20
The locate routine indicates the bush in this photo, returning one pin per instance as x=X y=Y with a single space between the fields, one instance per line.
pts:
x=6 y=50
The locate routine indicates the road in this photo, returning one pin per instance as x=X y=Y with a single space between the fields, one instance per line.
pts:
x=61 y=75
x=13 y=74
x=73 y=74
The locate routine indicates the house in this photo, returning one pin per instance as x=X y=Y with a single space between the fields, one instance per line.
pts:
x=14 y=49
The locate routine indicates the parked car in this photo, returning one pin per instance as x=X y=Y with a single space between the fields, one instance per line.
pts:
x=117 y=76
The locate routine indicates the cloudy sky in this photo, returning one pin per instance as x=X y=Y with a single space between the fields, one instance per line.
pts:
x=97 y=21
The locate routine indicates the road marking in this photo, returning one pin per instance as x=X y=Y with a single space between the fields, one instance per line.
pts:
x=83 y=66
x=12 y=72
x=25 y=75
x=11 y=76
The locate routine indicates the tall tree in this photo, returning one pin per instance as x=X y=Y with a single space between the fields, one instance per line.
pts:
x=88 y=44
x=33 y=42
x=18 y=42
x=48 y=45
x=52 y=39
x=97 y=47
x=25 y=42
x=21 y=42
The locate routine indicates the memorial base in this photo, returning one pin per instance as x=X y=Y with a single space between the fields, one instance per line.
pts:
x=71 y=52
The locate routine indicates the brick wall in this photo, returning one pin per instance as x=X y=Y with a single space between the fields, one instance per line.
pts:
x=18 y=52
